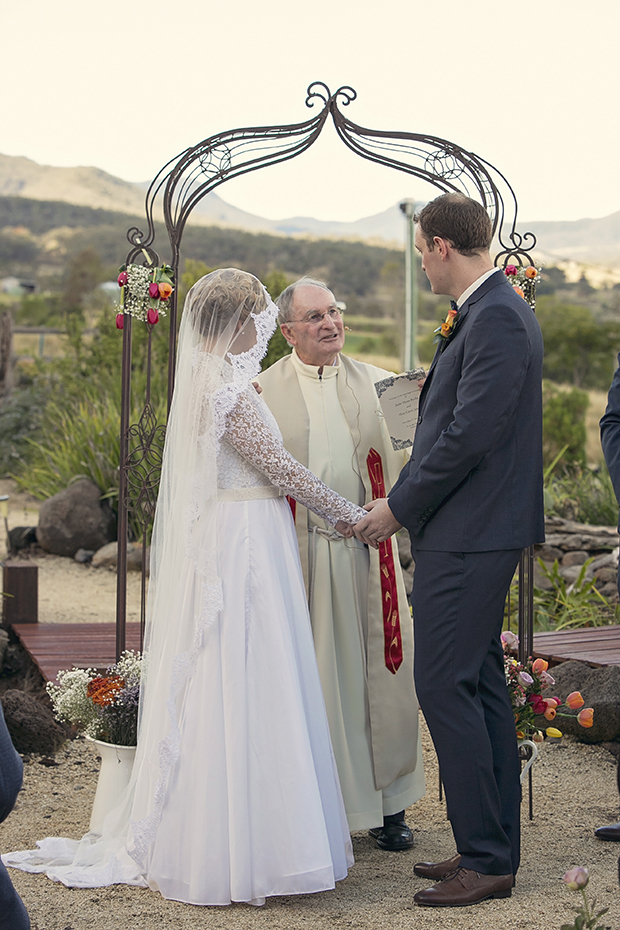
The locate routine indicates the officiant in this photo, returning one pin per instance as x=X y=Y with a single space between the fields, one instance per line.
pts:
x=327 y=409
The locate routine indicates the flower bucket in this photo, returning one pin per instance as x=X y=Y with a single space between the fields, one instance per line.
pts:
x=531 y=749
x=114 y=775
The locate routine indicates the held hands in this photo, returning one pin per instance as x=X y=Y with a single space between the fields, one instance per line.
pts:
x=378 y=526
x=345 y=529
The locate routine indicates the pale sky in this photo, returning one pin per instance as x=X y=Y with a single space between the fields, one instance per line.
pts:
x=124 y=85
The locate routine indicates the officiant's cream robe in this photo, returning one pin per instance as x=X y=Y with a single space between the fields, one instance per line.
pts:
x=372 y=712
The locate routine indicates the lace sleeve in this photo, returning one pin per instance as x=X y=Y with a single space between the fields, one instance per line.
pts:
x=252 y=438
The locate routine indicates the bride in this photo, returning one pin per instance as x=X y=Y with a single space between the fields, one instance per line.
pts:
x=234 y=794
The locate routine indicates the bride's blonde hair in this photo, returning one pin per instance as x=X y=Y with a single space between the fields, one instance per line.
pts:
x=223 y=296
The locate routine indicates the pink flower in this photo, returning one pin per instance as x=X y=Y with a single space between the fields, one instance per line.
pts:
x=586 y=717
x=576 y=878
x=120 y=320
x=575 y=700
x=510 y=270
x=122 y=279
x=547 y=679
x=509 y=640
x=152 y=316
x=153 y=290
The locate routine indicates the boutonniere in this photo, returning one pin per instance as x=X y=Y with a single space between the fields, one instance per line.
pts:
x=444 y=333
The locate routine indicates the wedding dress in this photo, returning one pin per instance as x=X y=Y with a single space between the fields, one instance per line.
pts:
x=234 y=794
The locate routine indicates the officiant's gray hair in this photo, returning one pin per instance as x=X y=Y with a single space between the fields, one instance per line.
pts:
x=285 y=301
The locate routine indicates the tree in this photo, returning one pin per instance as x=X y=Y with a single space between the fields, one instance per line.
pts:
x=578 y=349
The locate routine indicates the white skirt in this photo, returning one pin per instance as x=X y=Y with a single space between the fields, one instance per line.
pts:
x=252 y=806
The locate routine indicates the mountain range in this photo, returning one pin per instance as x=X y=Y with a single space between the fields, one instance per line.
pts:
x=590 y=243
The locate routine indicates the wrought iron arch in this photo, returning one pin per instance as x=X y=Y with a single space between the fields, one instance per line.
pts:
x=183 y=182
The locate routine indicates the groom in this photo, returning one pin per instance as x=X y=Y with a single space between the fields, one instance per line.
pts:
x=471 y=498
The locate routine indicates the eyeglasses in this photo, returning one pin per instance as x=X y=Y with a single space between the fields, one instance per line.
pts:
x=315 y=318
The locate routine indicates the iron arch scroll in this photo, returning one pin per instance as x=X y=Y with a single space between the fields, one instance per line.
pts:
x=186 y=179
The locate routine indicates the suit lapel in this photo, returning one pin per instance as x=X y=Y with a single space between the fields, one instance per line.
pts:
x=495 y=280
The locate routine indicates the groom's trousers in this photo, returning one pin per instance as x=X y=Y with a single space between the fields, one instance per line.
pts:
x=458 y=606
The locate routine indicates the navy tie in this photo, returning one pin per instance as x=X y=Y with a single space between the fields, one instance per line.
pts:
x=453 y=306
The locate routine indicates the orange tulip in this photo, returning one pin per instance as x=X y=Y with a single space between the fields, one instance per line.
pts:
x=530 y=272
x=165 y=290
x=550 y=713
x=539 y=665
x=575 y=700
x=519 y=290
x=586 y=717
x=446 y=329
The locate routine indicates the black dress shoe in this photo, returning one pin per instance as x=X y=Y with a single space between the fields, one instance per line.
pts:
x=465 y=886
x=611 y=832
x=394 y=836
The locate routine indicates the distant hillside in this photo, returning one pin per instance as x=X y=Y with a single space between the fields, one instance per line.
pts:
x=38 y=239
x=593 y=242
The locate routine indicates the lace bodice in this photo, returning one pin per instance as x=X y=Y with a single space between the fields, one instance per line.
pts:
x=252 y=455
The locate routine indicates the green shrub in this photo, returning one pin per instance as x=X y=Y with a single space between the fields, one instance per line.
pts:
x=585 y=495
x=564 y=424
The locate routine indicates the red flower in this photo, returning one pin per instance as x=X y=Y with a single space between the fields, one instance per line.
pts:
x=152 y=316
x=153 y=290
x=120 y=320
x=122 y=279
x=510 y=270
x=539 y=705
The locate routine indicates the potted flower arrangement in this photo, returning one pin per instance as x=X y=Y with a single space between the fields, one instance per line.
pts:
x=105 y=709
x=526 y=684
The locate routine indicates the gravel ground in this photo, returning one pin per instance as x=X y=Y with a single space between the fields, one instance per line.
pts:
x=574 y=791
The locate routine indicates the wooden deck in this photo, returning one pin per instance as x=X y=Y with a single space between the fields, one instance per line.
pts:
x=58 y=646
x=595 y=645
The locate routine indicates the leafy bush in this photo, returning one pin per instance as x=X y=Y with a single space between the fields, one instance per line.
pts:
x=20 y=418
x=570 y=605
x=579 y=349
x=585 y=495
x=564 y=425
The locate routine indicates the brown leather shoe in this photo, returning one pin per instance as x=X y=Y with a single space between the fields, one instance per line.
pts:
x=611 y=832
x=465 y=886
x=436 y=870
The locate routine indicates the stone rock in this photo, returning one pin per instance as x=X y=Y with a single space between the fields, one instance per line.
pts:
x=548 y=553
x=600 y=688
x=4 y=642
x=84 y=555
x=576 y=557
x=22 y=537
x=75 y=518
x=572 y=572
x=540 y=580
x=31 y=724
x=106 y=557
x=605 y=575
x=604 y=561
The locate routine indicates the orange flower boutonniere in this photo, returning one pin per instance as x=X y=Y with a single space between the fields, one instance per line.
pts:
x=444 y=332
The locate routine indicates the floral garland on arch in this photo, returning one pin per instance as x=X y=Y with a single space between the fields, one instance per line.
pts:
x=145 y=292
x=526 y=683
x=524 y=279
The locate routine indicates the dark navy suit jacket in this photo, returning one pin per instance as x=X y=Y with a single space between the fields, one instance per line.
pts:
x=610 y=432
x=474 y=481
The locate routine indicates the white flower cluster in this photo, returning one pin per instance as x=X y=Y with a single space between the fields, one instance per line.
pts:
x=136 y=299
x=129 y=667
x=71 y=702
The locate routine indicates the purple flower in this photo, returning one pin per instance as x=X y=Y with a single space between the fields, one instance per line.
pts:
x=525 y=679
